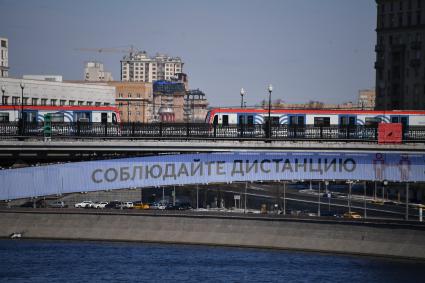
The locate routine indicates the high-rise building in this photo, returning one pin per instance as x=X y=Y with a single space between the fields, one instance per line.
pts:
x=94 y=72
x=400 y=65
x=4 y=57
x=139 y=67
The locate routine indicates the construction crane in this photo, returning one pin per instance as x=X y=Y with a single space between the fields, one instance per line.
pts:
x=107 y=49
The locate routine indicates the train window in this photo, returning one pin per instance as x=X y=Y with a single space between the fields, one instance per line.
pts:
x=114 y=118
x=225 y=120
x=322 y=121
x=58 y=117
x=372 y=121
x=215 y=121
x=296 y=120
x=241 y=120
x=82 y=116
x=250 y=120
x=4 y=117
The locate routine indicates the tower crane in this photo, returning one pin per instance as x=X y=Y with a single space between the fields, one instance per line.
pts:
x=108 y=49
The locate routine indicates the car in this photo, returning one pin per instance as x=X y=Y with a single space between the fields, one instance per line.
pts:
x=84 y=204
x=57 y=204
x=184 y=206
x=128 y=204
x=140 y=205
x=38 y=204
x=352 y=215
x=162 y=206
x=377 y=201
x=125 y=205
x=153 y=205
x=100 y=205
x=113 y=204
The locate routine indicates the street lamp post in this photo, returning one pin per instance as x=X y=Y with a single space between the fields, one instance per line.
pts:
x=329 y=195
x=270 y=89
x=22 y=100
x=21 y=120
x=242 y=95
x=3 y=90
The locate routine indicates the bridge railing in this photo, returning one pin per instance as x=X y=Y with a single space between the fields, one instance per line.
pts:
x=201 y=131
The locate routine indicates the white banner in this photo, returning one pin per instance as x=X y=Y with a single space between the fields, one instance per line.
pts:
x=207 y=168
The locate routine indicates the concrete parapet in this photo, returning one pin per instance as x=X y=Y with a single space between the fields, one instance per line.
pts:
x=392 y=240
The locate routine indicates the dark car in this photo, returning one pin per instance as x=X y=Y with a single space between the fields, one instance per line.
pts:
x=38 y=204
x=57 y=204
x=184 y=206
x=114 y=204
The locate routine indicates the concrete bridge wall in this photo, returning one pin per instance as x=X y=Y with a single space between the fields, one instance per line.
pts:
x=406 y=241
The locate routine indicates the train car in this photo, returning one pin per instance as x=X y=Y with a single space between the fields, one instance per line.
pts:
x=314 y=117
x=60 y=114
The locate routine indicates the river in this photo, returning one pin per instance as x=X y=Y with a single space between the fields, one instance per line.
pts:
x=64 y=261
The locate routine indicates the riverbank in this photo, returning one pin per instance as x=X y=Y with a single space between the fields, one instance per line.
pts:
x=350 y=237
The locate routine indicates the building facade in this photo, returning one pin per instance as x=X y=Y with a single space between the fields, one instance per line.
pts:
x=134 y=101
x=139 y=67
x=196 y=105
x=400 y=48
x=4 y=57
x=94 y=72
x=55 y=93
x=366 y=99
x=168 y=101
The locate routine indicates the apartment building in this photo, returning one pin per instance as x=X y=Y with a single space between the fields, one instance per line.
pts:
x=139 y=67
x=94 y=72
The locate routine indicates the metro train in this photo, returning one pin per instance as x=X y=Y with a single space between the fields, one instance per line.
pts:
x=314 y=117
x=60 y=114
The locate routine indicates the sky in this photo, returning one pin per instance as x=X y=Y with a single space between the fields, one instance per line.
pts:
x=307 y=49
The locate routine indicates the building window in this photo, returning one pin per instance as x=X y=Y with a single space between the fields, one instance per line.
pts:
x=62 y=102
x=80 y=103
x=15 y=100
x=43 y=101
x=97 y=103
x=106 y=104
x=53 y=102
x=34 y=101
x=72 y=102
x=89 y=103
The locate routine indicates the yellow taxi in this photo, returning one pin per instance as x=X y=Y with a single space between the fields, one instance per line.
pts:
x=352 y=215
x=140 y=205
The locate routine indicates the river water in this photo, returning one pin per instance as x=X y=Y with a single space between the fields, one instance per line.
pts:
x=61 y=261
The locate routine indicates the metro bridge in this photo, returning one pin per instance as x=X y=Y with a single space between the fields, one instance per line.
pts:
x=176 y=154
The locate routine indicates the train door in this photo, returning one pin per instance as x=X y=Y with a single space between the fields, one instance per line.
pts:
x=404 y=120
x=225 y=121
x=104 y=117
x=347 y=124
x=296 y=125
x=30 y=116
x=347 y=121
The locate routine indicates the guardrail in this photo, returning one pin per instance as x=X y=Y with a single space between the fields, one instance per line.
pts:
x=201 y=131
